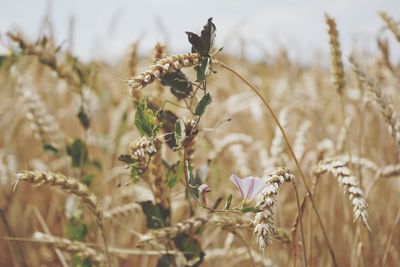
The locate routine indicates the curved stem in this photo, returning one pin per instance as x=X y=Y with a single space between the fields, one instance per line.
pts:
x=303 y=245
x=103 y=235
x=268 y=106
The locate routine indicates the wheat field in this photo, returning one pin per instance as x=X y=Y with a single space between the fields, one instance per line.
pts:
x=199 y=159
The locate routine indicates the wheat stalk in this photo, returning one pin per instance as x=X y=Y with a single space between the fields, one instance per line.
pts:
x=299 y=144
x=336 y=55
x=240 y=253
x=70 y=185
x=193 y=224
x=159 y=52
x=158 y=180
x=391 y=24
x=351 y=185
x=44 y=126
x=48 y=56
x=389 y=170
x=342 y=136
x=239 y=155
x=8 y=167
x=226 y=141
x=263 y=222
x=78 y=248
x=278 y=143
x=359 y=161
x=133 y=58
x=385 y=106
x=122 y=211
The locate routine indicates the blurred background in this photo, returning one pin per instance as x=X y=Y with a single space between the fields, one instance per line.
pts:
x=76 y=116
x=104 y=29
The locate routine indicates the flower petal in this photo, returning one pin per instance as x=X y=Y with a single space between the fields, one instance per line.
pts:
x=249 y=187
x=238 y=182
x=253 y=186
x=259 y=186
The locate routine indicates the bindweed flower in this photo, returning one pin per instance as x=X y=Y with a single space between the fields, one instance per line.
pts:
x=203 y=190
x=249 y=187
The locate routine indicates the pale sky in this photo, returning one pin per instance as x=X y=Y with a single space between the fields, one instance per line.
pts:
x=104 y=29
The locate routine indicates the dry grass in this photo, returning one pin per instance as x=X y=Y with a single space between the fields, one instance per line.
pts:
x=137 y=165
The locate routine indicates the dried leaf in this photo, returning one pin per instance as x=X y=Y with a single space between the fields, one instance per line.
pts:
x=78 y=153
x=179 y=84
x=190 y=248
x=84 y=118
x=156 y=215
x=208 y=36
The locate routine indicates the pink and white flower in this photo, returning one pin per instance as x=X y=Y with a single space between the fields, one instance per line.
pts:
x=249 y=187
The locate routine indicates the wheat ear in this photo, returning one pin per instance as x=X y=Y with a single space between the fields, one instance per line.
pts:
x=389 y=170
x=44 y=126
x=193 y=224
x=72 y=186
x=336 y=55
x=299 y=144
x=133 y=58
x=278 y=144
x=78 y=248
x=263 y=222
x=351 y=185
x=162 y=67
x=159 y=51
x=122 y=211
x=385 y=106
x=391 y=24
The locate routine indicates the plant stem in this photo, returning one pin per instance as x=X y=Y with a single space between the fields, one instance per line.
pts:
x=268 y=106
x=346 y=128
x=301 y=225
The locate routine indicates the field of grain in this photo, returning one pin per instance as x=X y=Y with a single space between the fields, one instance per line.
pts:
x=142 y=162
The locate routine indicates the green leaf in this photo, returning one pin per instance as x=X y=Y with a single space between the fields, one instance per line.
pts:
x=228 y=202
x=97 y=164
x=166 y=260
x=145 y=120
x=180 y=131
x=84 y=118
x=172 y=178
x=217 y=202
x=135 y=173
x=51 y=149
x=193 y=182
x=78 y=153
x=174 y=174
x=190 y=248
x=249 y=209
x=156 y=215
x=76 y=229
x=204 y=102
x=2 y=59
x=203 y=69
x=79 y=262
x=88 y=179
